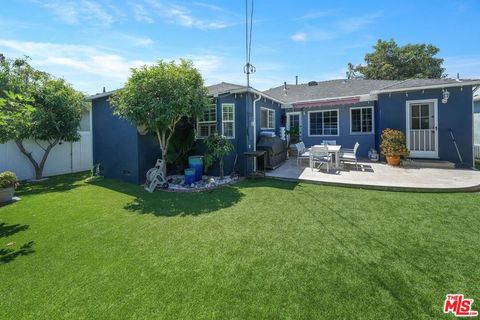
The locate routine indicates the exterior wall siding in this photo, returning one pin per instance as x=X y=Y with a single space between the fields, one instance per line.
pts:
x=345 y=138
x=455 y=114
x=117 y=146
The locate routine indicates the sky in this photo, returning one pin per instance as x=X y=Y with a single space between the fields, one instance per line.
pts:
x=93 y=44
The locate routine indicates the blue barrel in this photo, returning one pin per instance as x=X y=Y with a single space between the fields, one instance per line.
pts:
x=189 y=176
x=196 y=162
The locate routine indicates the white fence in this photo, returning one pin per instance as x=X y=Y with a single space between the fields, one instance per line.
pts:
x=476 y=150
x=66 y=157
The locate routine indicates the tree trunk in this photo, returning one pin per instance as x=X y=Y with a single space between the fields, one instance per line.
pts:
x=221 y=168
x=38 y=167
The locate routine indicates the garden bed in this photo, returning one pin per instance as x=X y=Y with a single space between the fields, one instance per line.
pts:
x=176 y=183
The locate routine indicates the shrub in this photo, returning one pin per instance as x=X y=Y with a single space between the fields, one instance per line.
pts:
x=8 y=179
x=217 y=147
x=394 y=143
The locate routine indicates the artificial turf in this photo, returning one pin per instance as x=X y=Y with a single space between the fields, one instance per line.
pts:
x=260 y=249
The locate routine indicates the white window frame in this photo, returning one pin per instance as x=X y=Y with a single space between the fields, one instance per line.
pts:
x=228 y=121
x=373 y=120
x=198 y=136
x=324 y=135
x=268 y=118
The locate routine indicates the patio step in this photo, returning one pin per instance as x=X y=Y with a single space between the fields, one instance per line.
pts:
x=423 y=163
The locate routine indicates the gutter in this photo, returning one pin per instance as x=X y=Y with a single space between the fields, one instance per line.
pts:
x=255 y=128
x=436 y=86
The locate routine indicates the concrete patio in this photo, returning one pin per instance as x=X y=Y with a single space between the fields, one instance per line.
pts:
x=372 y=175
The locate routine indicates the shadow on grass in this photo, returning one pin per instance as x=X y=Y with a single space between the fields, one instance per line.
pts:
x=8 y=255
x=53 y=184
x=170 y=204
x=7 y=230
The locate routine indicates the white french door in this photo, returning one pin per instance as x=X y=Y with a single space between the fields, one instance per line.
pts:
x=422 y=128
x=294 y=120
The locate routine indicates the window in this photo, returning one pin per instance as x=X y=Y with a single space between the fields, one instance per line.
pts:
x=323 y=123
x=207 y=123
x=421 y=116
x=267 y=118
x=228 y=120
x=361 y=120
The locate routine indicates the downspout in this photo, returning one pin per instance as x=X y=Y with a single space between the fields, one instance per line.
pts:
x=255 y=128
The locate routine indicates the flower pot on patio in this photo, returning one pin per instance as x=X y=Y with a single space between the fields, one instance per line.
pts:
x=8 y=183
x=6 y=195
x=393 y=146
x=393 y=160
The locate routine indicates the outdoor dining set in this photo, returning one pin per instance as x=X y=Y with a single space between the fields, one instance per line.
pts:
x=328 y=153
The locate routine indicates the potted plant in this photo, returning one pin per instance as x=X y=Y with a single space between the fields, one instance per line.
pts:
x=394 y=146
x=293 y=138
x=8 y=183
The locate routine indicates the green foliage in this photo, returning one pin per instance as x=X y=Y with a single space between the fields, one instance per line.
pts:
x=293 y=135
x=35 y=105
x=181 y=145
x=8 y=179
x=390 y=62
x=394 y=143
x=15 y=115
x=217 y=147
x=158 y=97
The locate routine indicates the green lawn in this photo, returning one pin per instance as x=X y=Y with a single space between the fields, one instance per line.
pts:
x=259 y=249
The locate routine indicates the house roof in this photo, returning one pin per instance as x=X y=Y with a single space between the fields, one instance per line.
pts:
x=327 y=89
x=342 y=88
x=223 y=87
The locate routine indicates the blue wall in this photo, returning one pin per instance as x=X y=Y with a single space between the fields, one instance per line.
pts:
x=243 y=140
x=345 y=138
x=455 y=114
x=115 y=143
x=117 y=146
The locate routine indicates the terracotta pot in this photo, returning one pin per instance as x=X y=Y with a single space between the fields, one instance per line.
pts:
x=6 y=195
x=393 y=160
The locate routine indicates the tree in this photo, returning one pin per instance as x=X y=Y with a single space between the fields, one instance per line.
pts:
x=39 y=107
x=217 y=147
x=157 y=97
x=390 y=62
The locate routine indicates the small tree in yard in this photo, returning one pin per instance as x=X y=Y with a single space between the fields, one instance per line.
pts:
x=157 y=97
x=217 y=147
x=39 y=107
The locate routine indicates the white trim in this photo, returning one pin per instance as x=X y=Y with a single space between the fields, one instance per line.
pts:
x=433 y=86
x=232 y=121
x=422 y=154
x=260 y=93
x=373 y=120
x=274 y=119
x=359 y=96
x=288 y=114
x=321 y=111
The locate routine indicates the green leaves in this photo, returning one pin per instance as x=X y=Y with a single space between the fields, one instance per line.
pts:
x=15 y=113
x=159 y=96
x=391 y=62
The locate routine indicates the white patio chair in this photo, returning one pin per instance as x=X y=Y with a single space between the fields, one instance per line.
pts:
x=302 y=153
x=350 y=155
x=320 y=155
x=330 y=142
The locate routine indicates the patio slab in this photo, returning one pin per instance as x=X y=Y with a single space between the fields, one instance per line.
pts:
x=371 y=175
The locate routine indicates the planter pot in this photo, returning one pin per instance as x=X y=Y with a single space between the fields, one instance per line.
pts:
x=6 y=195
x=393 y=160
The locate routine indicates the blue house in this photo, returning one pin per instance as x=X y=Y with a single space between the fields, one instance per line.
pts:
x=347 y=111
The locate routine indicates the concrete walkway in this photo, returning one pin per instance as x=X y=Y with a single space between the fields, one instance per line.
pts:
x=372 y=175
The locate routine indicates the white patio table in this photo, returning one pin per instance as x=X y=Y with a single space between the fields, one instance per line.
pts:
x=335 y=150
